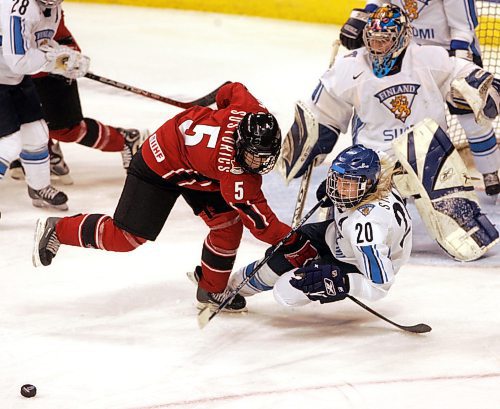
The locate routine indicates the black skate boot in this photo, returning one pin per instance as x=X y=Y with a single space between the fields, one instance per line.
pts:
x=132 y=138
x=48 y=197
x=491 y=183
x=46 y=242
x=16 y=170
x=59 y=170
x=213 y=300
x=195 y=276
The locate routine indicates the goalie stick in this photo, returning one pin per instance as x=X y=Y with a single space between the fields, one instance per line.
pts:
x=203 y=101
x=306 y=177
x=206 y=315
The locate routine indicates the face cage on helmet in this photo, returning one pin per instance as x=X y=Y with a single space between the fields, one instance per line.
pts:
x=50 y=4
x=383 y=62
x=257 y=163
x=337 y=183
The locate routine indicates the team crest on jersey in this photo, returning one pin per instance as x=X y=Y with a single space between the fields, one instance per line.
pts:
x=399 y=99
x=366 y=209
x=414 y=7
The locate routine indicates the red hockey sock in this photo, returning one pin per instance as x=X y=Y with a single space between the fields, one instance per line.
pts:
x=96 y=231
x=93 y=134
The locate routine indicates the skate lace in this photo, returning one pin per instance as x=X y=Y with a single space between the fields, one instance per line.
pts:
x=53 y=243
x=48 y=192
x=220 y=297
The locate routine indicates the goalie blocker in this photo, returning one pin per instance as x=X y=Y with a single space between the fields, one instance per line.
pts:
x=435 y=175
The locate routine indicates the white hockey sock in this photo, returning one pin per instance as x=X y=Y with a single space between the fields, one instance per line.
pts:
x=483 y=144
x=37 y=167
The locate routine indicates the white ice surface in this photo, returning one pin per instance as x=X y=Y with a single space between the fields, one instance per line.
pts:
x=103 y=330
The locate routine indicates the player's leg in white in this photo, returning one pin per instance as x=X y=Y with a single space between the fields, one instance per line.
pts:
x=484 y=149
x=10 y=146
x=35 y=160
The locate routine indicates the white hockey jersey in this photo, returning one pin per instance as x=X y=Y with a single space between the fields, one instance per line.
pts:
x=437 y=22
x=24 y=27
x=375 y=237
x=383 y=108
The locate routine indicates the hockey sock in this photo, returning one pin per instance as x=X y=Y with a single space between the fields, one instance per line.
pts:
x=96 y=231
x=93 y=134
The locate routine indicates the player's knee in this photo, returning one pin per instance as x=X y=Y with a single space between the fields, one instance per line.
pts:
x=10 y=147
x=34 y=135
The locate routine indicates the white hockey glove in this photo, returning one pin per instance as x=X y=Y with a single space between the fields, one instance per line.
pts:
x=65 y=61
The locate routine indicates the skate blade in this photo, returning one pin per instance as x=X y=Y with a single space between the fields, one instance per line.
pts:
x=213 y=308
x=35 y=255
x=43 y=204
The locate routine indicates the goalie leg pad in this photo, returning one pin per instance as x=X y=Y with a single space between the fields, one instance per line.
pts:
x=436 y=176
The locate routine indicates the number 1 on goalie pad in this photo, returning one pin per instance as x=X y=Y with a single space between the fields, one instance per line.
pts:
x=435 y=175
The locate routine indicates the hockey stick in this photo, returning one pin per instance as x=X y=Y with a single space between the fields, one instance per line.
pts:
x=306 y=177
x=416 y=329
x=206 y=315
x=204 y=101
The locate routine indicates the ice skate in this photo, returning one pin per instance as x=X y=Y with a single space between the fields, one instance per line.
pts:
x=491 y=183
x=59 y=170
x=49 y=196
x=213 y=300
x=132 y=138
x=46 y=242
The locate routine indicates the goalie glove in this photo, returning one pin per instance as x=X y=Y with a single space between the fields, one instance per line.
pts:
x=323 y=283
x=65 y=61
x=480 y=91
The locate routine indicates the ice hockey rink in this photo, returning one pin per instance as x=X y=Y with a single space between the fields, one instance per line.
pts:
x=103 y=330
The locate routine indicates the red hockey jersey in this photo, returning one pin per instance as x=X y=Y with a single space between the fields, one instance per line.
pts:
x=195 y=150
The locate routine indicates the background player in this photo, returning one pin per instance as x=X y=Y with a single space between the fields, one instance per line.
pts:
x=449 y=24
x=27 y=30
x=63 y=113
x=215 y=160
x=360 y=249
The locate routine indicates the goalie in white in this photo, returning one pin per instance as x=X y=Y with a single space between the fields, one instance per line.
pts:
x=361 y=249
x=27 y=28
x=386 y=88
x=449 y=24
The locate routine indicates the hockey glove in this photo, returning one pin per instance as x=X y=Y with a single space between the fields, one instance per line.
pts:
x=298 y=250
x=351 y=33
x=65 y=61
x=321 y=193
x=323 y=283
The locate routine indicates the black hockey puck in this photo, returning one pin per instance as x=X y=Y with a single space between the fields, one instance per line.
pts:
x=28 y=391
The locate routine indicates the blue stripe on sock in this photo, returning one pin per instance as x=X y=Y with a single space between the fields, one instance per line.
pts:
x=483 y=146
x=34 y=156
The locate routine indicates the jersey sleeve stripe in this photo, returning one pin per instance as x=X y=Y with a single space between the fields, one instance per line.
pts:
x=252 y=212
x=471 y=13
x=374 y=266
x=17 y=41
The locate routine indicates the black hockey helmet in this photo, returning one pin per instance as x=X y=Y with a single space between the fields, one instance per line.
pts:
x=258 y=142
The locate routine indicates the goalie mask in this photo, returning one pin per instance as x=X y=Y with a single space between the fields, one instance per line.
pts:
x=258 y=143
x=354 y=175
x=386 y=35
x=49 y=4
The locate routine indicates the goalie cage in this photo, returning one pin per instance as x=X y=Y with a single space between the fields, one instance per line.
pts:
x=488 y=32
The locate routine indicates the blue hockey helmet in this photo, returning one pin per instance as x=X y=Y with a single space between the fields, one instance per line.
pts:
x=258 y=142
x=386 y=35
x=353 y=175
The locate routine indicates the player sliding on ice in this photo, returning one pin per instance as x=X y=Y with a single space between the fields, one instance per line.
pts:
x=215 y=160
x=360 y=249
x=390 y=89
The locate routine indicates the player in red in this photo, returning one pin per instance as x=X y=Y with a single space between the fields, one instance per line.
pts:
x=214 y=159
x=63 y=113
